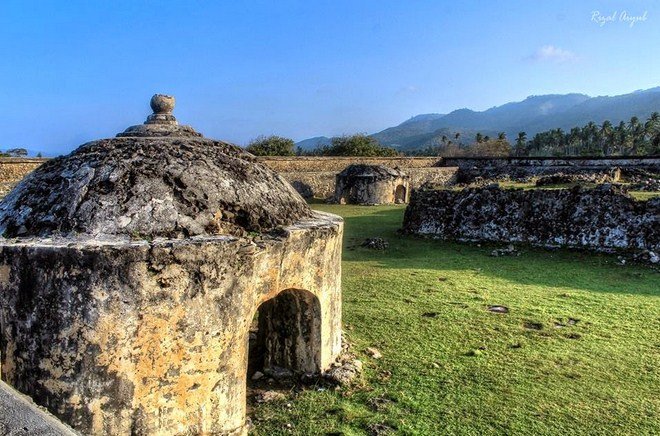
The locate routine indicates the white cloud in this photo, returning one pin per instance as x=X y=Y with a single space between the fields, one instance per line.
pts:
x=550 y=53
x=407 y=90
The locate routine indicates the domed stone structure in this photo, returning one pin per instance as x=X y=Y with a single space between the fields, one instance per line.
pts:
x=371 y=184
x=131 y=271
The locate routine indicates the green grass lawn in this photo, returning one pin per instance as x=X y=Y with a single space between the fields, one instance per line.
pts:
x=578 y=352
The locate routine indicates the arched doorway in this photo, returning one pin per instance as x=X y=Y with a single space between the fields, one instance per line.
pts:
x=286 y=333
x=400 y=194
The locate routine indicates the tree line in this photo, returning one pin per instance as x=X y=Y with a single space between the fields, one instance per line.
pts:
x=453 y=146
x=14 y=152
x=633 y=138
x=359 y=144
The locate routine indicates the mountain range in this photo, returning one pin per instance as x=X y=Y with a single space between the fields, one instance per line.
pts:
x=533 y=115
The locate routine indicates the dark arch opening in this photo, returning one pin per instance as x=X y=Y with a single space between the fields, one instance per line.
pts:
x=400 y=194
x=286 y=333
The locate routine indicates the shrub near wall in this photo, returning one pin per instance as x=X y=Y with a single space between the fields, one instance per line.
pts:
x=600 y=218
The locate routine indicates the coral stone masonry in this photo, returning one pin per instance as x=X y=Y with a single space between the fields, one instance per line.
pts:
x=371 y=184
x=603 y=218
x=131 y=271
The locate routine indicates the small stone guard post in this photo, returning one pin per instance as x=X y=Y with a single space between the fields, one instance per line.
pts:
x=371 y=184
x=131 y=271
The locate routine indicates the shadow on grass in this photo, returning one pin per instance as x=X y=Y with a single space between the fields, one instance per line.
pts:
x=563 y=268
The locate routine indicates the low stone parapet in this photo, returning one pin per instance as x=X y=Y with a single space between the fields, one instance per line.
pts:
x=603 y=218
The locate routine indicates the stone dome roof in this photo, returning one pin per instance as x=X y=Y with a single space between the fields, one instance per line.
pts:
x=377 y=172
x=158 y=179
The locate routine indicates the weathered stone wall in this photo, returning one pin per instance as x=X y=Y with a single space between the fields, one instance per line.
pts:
x=581 y=162
x=121 y=337
x=370 y=185
x=368 y=192
x=433 y=175
x=13 y=170
x=298 y=164
x=315 y=176
x=311 y=176
x=600 y=218
x=321 y=184
x=131 y=272
x=312 y=184
x=607 y=169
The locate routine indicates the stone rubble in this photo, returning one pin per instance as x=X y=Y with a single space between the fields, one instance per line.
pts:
x=376 y=244
x=509 y=250
x=373 y=352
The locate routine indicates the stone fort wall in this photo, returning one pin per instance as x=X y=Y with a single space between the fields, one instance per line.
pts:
x=338 y=163
x=473 y=169
x=13 y=169
x=600 y=218
x=553 y=162
x=310 y=175
x=321 y=184
x=315 y=175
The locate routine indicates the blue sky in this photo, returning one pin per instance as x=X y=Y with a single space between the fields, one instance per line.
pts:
x=80 y=70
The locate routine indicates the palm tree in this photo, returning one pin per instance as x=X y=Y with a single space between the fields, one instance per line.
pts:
x=457 y=137
x=590 y=138
x=627 y=138
x=574 y=141
x=637 y=135
x=479 y=138
x=606 y=137
x=521 y=142
x=501 y=136
x=654 y=118
x=652 y=130
x=622 y=137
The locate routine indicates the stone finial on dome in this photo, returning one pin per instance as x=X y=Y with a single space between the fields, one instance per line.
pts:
x=162 y=105
x=161 y=122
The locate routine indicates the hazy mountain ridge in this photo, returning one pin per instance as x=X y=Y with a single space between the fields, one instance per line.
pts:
x=423 y=118
x=532 y=115
x=598 y=109
x=312 y=143
x=535 y=114
x=423 y=140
